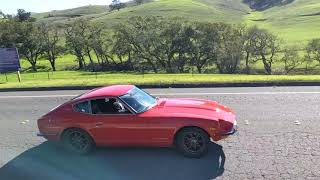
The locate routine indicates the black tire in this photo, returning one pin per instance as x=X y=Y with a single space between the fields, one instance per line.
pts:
x=77 y=141
x=192 y=142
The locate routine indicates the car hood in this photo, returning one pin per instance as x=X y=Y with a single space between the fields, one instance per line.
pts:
x=200 y=104
x=193 y=108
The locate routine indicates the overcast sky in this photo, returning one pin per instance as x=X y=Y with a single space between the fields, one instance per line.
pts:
x=11 y=6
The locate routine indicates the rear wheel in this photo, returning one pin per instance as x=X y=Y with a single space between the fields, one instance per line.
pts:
x=192 y=142
x=77 y=140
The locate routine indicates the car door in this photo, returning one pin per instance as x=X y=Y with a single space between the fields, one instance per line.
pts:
x=117 y=128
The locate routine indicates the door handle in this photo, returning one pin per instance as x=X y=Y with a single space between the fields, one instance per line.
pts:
x=99 y=124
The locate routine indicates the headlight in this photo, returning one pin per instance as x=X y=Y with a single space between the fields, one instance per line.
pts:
x=225 y=125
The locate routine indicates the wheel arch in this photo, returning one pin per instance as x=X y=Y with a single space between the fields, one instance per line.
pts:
x=187 y=127
x=68 y=128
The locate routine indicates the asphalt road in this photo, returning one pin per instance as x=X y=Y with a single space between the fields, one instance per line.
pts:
x=278 y=138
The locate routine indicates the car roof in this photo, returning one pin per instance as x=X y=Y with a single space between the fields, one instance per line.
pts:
x=115 y=90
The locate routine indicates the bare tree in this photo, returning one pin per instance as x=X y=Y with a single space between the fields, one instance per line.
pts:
x=9 y=33
x=139 y=1
x=51 y=38
x=101 y=43
x=291 y=59
x=116 y=4
x=266 y=46
x=313 y=54
x=30 y=43
x=143 y=35
x=76 y=40
x=313 y=50
x=24 y=16
x=229 y=48
x=2 y=15
x=248 y=47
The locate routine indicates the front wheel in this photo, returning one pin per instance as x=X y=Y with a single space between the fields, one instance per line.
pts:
x=192 y=142
x=78 y=141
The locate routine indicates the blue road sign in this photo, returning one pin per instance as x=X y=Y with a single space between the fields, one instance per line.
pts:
x=9 y=60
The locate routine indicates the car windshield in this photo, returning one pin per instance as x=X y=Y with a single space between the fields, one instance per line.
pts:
x=139 y=100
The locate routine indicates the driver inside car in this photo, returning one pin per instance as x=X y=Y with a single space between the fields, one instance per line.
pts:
x=107 y=106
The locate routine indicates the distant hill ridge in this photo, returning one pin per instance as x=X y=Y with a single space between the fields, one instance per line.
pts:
x=265 y=4
x=296 y=21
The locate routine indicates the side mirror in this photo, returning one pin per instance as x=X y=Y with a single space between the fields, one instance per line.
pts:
x=119 y=107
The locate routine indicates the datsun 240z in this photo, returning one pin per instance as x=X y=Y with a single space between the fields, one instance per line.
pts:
x=124 y=115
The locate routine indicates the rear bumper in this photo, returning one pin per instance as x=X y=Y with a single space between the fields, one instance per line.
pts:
x=45 y=134
x=39 y=134
x=48 y=136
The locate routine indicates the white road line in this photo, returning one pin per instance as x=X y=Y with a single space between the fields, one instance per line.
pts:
x=240 y=93
x=44 y=96
x=174 y=94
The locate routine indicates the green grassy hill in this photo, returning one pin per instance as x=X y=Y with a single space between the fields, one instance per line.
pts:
x=69 y=14
x=200 y=10
x=196 y=10
x=296 y=22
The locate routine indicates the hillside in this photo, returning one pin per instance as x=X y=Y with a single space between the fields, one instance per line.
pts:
x=62 y=15
x=295 y=22
x=261 y=5
x=201 y=10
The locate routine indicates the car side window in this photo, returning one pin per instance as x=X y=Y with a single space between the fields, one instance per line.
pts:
x=82 y=107
x=108 y=106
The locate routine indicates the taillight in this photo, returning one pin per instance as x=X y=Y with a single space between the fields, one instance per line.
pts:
x=44 y=121
x=41 y=122
x=225 y=125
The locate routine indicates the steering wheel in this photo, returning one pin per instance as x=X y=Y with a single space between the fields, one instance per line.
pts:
x=119 y=106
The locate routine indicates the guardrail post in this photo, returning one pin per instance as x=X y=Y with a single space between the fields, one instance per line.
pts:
x=19 y=76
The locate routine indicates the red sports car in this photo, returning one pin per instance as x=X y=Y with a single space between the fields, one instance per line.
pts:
x=124 y=115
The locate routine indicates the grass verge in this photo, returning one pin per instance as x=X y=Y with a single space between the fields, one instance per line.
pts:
x=76 y=78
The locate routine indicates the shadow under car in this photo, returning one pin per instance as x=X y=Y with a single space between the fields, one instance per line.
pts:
x=49 y=161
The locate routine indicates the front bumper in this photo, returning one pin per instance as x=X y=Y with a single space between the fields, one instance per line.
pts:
x=224 y=135
x=233 y=131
